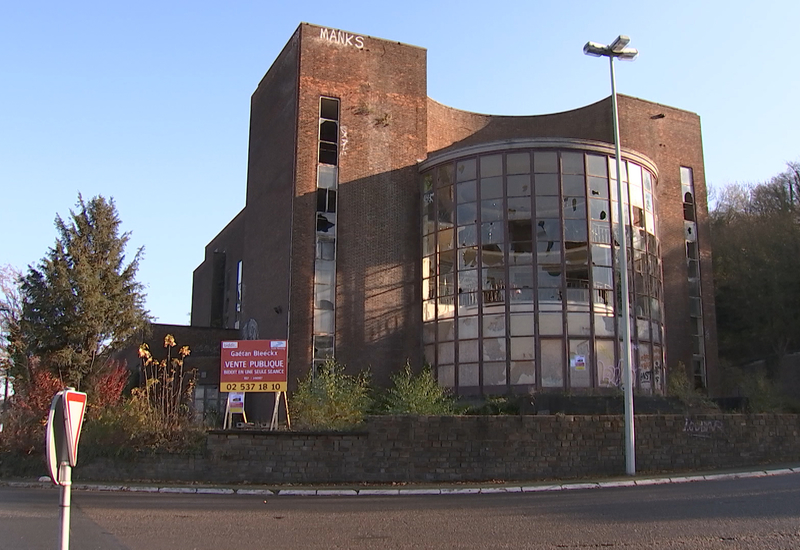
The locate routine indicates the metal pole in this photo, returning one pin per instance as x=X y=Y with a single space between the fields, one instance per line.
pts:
x=630 y=443
x=65 y=480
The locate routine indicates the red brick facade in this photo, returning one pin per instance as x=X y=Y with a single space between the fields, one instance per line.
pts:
x=387 y=126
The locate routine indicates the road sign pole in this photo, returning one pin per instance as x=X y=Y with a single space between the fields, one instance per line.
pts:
x=65 y=480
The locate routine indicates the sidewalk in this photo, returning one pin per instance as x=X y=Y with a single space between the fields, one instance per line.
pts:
x=412 y=489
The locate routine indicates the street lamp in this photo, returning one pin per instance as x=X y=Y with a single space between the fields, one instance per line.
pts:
x=618 y=49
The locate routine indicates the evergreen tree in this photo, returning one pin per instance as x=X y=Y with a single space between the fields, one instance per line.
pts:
x=82 y=302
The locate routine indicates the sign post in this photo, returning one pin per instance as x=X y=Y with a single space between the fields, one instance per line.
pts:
x=64 y=423
x=255 y=366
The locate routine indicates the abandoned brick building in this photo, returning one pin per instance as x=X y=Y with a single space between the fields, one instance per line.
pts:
x=381 y=226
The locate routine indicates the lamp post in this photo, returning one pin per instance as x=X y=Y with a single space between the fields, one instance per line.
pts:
x=618 y=49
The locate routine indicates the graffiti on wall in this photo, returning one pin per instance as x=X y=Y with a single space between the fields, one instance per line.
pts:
x=702 y=428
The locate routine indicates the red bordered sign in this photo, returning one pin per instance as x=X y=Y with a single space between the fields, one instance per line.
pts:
x=253 y=366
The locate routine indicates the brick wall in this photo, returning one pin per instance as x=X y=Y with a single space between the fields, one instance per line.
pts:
x=473 y=448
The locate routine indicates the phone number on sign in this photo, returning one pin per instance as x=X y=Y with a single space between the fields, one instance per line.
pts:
x=253 y=386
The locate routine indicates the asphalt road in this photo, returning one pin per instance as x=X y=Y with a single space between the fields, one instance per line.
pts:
x=762 y=513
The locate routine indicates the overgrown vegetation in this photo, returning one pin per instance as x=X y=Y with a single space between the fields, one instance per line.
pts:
x=755 y=233
x=761 y=392
x=680 y=386
x=417 y=394
x=330 y=399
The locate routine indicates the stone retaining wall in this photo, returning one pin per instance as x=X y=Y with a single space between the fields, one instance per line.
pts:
x=471 y=448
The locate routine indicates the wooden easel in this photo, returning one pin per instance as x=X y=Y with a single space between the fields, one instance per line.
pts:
x=274 y=424
x=228 y=423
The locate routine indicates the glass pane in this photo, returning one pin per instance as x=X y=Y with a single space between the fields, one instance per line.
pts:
x=546 y=184
x=519 y=208
x=466 y=191
x=547 y=207
x=574 y=185
x=467 y=257
x=491 y=187
x=601 y=232
x=599 y=210
x=468 y=375
x=545 y=162
x=548 y=230
x=645 y=369
x=523 y=373
x=572 y=163
x=326 y=176
x=446 y=261
x=520 y=253
x=550 y=323
x=601 y=255
x=518 y=163
x=603 y=325
x=494 y=278
x=519 y=186
x=578 y=324
x=467 y=351
x=465 y=170
x=446 y=353
x=429 y=333
x=467 y=236
x=323 y=321
x=522 y=324
x=492 y=210
x=494 y=326
x=574 y=208
x=607 y=372
x=446 y=376
x=445 y=175
x=468 y=280
x=444 y=208
x=549 y=275
x=468 y=303
x=552 y=364
x=428 y=310
x=446 y=239
x=494 y=349
x=598 y=166
x=494 y=374
x=445 y=309
x=575 y=230
x=491 y=166
x=492 y=233
x=580 y=375
x=522 y=347
x=467 y=327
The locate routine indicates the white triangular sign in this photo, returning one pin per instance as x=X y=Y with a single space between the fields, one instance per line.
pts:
x=74 y=407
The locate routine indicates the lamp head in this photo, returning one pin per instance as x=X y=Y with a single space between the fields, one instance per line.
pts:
x=619 y=44
x=594 y=49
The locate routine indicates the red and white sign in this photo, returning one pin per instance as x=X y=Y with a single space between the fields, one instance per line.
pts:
x=63 y=431
x=253 y=366
x=74 y=408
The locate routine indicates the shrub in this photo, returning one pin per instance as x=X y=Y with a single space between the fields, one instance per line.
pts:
x=331 y=399
x=25 y=419
x=417 y=394
x=680 y=386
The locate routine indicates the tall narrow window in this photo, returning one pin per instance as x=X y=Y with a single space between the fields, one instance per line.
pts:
x=325 y=225
x=693 y=271
x=238 y=295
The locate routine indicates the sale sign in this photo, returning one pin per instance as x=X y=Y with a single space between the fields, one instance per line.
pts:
x=253 y=365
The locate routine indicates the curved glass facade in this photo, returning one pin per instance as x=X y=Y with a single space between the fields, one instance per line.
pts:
x=519 y=251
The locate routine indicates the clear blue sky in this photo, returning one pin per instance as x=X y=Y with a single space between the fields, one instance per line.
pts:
x=148 y=101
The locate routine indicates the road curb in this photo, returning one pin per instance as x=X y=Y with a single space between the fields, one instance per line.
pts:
x=44 y=482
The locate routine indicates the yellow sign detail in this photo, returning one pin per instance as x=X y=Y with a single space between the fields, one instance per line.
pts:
x=253 y=386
